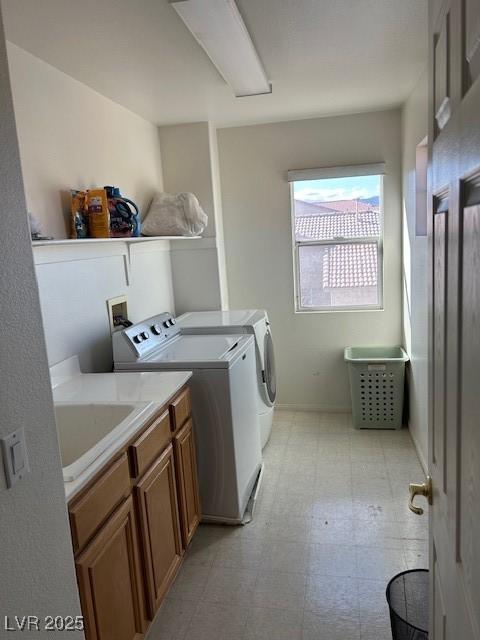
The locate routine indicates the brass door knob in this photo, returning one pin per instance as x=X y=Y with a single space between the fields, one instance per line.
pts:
x=424 y=489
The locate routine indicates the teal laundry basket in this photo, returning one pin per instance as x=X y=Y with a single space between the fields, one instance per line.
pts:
x=377 y=381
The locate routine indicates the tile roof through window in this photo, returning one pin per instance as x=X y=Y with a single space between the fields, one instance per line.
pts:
x=344 y=265
x=350 y=265
x=344 y=206
x=343 y=225
x=343 y=219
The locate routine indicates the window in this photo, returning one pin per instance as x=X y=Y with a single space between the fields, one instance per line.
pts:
x=337 y=223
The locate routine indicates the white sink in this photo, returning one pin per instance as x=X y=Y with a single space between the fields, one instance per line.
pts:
x=85 y=431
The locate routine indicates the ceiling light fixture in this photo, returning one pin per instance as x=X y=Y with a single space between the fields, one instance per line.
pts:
x=219 y=28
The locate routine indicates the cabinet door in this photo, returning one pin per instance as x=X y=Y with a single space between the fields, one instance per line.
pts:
x=160 y=527
x=187 y=481
x=109 y=580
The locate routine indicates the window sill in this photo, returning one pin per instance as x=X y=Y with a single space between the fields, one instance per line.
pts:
x=340 y=310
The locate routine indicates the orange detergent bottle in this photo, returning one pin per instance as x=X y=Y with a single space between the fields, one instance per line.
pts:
x=98 y=214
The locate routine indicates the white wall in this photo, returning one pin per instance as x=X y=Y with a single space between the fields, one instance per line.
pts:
x=186 y=165
x=36 y=560
x=190 y=163
x=217 y=204
x=256 y=214
x=415 y=321
x=72 y=137
x=75 y=284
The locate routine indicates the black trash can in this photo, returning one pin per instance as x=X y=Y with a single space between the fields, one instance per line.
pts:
x=407 y=597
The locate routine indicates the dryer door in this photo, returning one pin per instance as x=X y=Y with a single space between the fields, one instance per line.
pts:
x=269 y=376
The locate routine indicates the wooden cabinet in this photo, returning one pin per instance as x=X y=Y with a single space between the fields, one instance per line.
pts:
x=128 y=549
x=156 y=496
x=109 y=580
x=187 y=481
x=93 y=507
x=150 y=444
x=180 y=409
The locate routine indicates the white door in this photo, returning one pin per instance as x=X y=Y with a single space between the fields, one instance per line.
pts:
x=454 y=241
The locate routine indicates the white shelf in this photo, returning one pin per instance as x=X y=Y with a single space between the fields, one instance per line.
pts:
x=85 y=241
x=67 y=250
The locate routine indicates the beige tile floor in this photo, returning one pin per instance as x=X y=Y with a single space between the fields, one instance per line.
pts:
x=332 y=525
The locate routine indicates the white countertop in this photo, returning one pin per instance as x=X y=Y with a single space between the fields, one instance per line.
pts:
x=148 y=391
x=120 y=387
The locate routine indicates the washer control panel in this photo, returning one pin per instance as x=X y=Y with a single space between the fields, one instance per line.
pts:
x=144 y=337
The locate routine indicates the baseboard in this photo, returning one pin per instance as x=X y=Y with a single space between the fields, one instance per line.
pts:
x=419 y=451
x=327 y=408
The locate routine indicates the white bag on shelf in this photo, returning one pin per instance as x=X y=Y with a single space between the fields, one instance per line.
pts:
x=174 y=215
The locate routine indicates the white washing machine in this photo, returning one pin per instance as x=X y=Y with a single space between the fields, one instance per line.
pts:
x=224 y=405
x=253 y=321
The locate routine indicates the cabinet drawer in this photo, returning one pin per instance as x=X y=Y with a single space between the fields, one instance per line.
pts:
x=180 y=409
x=95 y=505
x=150 y=444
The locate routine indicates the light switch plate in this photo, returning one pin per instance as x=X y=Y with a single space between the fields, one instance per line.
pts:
x=15 y=459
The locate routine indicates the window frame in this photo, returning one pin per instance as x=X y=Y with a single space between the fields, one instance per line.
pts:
x=296 y=244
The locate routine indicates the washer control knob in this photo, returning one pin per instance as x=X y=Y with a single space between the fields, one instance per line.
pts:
x=166 y=324
x=137 y=339
x=157 y=329
x=145 y=335
x=172 y=321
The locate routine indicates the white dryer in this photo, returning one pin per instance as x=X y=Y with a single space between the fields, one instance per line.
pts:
x=224 y=405
x=254 y=321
